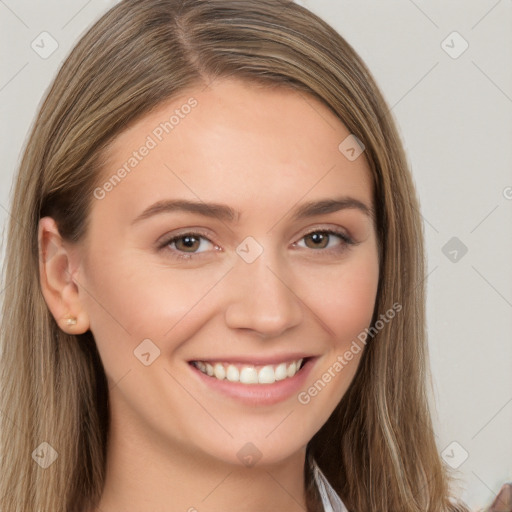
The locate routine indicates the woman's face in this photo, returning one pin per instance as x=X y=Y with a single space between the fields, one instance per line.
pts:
x=237 y=241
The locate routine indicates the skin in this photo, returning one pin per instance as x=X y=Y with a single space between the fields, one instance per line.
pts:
x=174 y=440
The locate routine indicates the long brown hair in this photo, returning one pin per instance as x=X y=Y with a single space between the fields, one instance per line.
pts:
x=378 y=448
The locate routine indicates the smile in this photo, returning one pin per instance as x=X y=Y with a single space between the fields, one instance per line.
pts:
x=249 y=374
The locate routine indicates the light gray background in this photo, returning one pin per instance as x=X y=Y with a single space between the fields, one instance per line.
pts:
x=455 y=118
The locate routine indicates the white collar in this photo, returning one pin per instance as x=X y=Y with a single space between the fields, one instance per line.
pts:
x=330 y=499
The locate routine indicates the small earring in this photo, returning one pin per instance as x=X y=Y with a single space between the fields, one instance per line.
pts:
x=70 y=320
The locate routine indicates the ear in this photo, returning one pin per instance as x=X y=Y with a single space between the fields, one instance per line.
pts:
x=57 y=269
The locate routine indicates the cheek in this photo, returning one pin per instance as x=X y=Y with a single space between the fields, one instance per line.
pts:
x=343 y=300
x=351 y=308
x=343 y=297
x=129 y=300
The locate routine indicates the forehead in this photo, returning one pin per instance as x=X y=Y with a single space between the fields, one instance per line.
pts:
x=235 y=142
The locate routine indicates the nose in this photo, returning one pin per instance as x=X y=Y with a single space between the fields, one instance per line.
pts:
x=262 y=298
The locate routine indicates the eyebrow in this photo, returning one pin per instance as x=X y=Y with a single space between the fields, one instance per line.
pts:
x=226 y=213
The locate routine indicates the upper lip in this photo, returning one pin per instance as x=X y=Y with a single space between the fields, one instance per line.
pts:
x=256 y=359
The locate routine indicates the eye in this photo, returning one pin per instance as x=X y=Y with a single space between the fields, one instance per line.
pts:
x=191 y=244
x=186 y=245
x=327 y=239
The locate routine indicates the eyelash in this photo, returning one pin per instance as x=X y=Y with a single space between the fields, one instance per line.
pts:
x=346 y=241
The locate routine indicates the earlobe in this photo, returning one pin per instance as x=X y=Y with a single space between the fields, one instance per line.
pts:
x=56 y=275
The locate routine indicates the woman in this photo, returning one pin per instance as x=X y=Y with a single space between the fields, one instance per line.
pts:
x=216 y=267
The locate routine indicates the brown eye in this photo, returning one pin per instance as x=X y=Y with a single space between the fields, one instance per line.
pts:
x=187 y=243
x=317 y=240
x=326 y=241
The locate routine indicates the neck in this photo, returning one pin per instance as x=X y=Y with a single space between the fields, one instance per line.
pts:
x=144 y=473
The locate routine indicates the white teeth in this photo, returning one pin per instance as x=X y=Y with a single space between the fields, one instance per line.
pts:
x=280 y=372
x=266 y=375
x=219 y=371
x=248 y=374
x=232 y=374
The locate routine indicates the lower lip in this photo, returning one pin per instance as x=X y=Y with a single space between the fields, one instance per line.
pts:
x=258 y=394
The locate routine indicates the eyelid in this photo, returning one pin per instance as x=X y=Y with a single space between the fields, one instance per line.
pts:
x=165 y=239
x=347 y=240
x=164 y=242
x=330 y=230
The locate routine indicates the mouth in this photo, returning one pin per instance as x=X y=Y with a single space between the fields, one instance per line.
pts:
x=250 y=374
